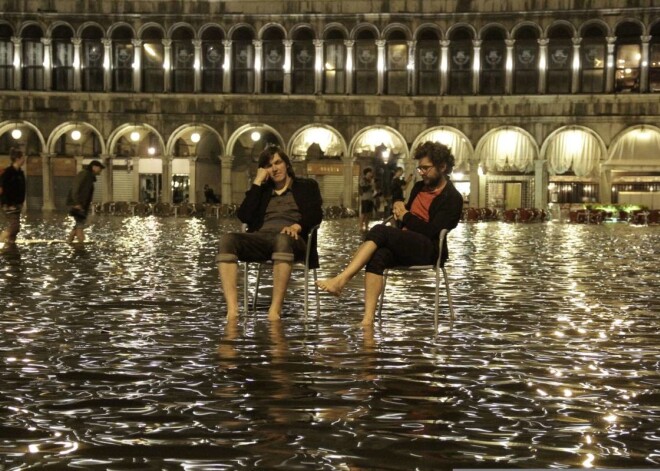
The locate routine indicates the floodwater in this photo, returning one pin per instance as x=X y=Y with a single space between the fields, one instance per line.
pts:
x=116 y=355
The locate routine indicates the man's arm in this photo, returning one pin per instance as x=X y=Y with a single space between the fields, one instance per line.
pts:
x=310 y=205
x=446 y=216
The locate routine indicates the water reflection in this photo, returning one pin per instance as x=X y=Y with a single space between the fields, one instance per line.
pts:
x=117 y=354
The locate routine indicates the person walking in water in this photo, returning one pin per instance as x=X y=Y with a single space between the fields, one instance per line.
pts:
x=12 y=195
x=80 y=198
x=434 y=204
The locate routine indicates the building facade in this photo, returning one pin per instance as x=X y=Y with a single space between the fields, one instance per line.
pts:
x=557 y=103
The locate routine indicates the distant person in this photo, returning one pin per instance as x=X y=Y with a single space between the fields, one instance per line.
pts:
x=366 y=192
x=80 y=198
x=434 y=204
x=210 y=196
x=12 y=195
x=399 y=185
x=279 y=209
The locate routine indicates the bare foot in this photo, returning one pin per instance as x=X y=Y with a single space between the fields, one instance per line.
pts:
x=333 y=286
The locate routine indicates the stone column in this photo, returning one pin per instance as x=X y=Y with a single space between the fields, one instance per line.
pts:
x=137 y=65
x=136 y=178
x=644 y=71
x=444 y=66
x=77 y=64
x=541 y=179
x=476 y=65
x=474 y=184
x=575 y=81
x=225 y=168
x=318 y=66
x=610 y=66
x=197 y=64
x=48 y=63
x=411 y=69
x=508 y=66
x=226 y=67
x=543 y=64
x=605 y=186
x=107 y=64
x=192 y=179
x=166 y=179
x=167 y=64
x=107 y=178
x=347 y=171
x=286 y=86
x=380 y=66
x=349 y=66
x=47 y=179
x=258 y=51
x=18 y=60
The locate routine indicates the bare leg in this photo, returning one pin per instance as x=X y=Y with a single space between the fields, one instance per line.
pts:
x=4 y=237
x=228 y=279
x=361 y=257
x=80 y=235
x=281 y=275
x=373 y=286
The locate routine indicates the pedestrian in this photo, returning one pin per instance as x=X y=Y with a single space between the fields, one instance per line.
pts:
x=80 y=198
x=12 y=195
x=366 y=191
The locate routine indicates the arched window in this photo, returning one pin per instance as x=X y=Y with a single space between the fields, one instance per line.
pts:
x=560 y=60
x=243 y=61
x=122 y=59
x=654 y=59
x=396 y=64
x=213 y=57
x=526 y=61
x=460 y=62
x=153 y=54
x=183 y=61
x=93 y=53
x=628 y=57
x=273 y=61
x=427 y=63
x=62 y=59
x=6 y=58
x=33 y=59
x=366 y=61
x=303 y=60
x=334 y=67
x=593 y=55
x=493 y=62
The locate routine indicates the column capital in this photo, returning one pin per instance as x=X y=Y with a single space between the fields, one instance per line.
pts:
x=509 y=42
x=476 y=43
x=46 y=41
x=197 y=43
x=611 y=39
x=349 y=42
x=380 y=42
x=257 y=42
x=287 y=42
x=576 y=41
x=226 y=42
x=317 y=42
x=17 y=40
x=166 y=42
x=106 y=42
x=543 y=42
x=76 y=41
x=136 y=42
x=645 y=38
x=445 y=42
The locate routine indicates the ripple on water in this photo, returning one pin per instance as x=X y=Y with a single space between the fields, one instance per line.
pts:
x=116 y=354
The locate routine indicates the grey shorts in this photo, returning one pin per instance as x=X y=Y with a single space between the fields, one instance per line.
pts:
x=260 y=247
x=80 y=216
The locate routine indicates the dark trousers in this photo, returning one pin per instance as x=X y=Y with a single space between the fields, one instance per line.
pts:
x=260 y=247
x=399 y=247
x=13 y=221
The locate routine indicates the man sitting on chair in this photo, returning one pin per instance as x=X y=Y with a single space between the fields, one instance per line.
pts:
x=434 y=204
x=279 y=210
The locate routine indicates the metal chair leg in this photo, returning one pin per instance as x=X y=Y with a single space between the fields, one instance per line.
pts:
x=451 y=304
x=437 y=301
x=382 y=295
x=306 y=292
x=318 y=299
x=245 y=287
x=256 y=287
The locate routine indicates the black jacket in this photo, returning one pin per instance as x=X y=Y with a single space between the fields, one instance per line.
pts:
x=307 y=196
x=444 y=213
x=82 y=191
x=12 y=182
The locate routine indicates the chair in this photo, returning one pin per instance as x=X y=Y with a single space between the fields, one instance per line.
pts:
x=311 y=241
x=439 y=266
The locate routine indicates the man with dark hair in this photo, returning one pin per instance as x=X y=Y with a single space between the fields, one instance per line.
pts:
x=279 y=209
x=434 y=204
x=80 y=197
x=12 y=195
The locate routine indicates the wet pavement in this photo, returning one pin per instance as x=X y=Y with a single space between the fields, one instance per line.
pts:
x=116 y=355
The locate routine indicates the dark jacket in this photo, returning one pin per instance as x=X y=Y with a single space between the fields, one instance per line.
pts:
x=82 y=191
x=307 y=196
x=12 y=182
x=444 y=213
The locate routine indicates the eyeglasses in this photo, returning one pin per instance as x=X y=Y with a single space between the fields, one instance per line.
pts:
x=425 y=168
